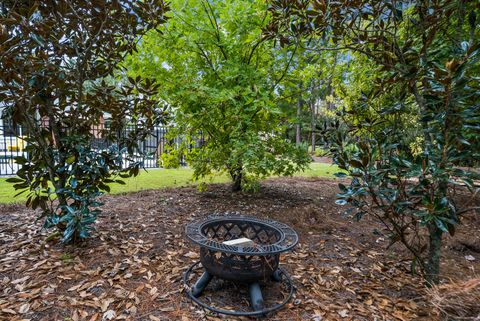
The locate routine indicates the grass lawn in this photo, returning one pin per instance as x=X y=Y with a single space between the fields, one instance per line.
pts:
x=161 y=178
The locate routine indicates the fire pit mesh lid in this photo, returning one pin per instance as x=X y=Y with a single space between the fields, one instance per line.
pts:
x=270 y=237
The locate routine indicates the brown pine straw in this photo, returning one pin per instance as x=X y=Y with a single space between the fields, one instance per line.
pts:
x=457 y=300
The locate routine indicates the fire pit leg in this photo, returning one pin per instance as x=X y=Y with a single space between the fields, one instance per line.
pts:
x=256 y=298
x=277 y=276
x=201 y=284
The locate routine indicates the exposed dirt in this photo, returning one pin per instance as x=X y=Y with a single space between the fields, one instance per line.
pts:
x=131 y=269
x=322 y=159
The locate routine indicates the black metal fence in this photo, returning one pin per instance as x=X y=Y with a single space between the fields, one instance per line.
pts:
x=152 y=147
x=11 y=146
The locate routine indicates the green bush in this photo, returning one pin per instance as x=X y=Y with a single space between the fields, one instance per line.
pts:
x=320 y=152
x=170 y=159
x=86 y=174
x=61 y=73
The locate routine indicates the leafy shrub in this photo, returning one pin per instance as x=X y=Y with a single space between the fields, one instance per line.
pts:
x=87 y=173
x=250 y=184
x=320 y=152
x=424 y=59
x=58 y=83
x=170 y=159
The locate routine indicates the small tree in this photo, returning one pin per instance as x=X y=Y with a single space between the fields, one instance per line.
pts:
x=222 y=80
x=426 y=58
x=58 y=63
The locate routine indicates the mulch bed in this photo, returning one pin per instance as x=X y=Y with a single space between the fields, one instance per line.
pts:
x=131 y=269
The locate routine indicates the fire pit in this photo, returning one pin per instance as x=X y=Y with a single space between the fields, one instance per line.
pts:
x=241 y=249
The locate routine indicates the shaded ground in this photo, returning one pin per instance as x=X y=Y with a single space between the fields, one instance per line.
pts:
x=132 y=268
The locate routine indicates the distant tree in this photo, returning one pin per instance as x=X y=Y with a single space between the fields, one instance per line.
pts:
x=222 y=79
x=58 y=63
x=421 y=66
x=306 y=90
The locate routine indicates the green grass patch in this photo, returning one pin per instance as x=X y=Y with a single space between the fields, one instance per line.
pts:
x=162 y=178
x=319 y=170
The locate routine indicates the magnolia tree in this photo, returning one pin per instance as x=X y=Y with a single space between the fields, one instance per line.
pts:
x=59 y=65
x=422 y=68
x=222 y=80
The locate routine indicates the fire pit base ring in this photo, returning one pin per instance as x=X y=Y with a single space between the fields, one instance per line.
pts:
x=282 y=275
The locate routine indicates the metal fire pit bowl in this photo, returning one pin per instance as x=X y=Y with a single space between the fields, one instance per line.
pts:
x=240 y=264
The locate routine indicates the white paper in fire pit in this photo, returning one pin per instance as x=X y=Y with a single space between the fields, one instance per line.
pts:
x=241 y=242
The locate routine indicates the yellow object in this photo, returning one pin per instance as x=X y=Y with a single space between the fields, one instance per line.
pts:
x=17 y=145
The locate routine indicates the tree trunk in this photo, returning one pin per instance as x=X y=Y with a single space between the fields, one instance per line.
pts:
x=313 y=142
x=298 y=135
x=236 y=175
x=312 y=125
x=432 y=267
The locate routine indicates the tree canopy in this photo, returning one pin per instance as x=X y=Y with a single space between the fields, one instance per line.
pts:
x=59 y=68
x=222 y=80
x=410 y=116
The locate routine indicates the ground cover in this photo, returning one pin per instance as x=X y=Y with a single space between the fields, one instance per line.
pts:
x=161 y=178
x=132 y=267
